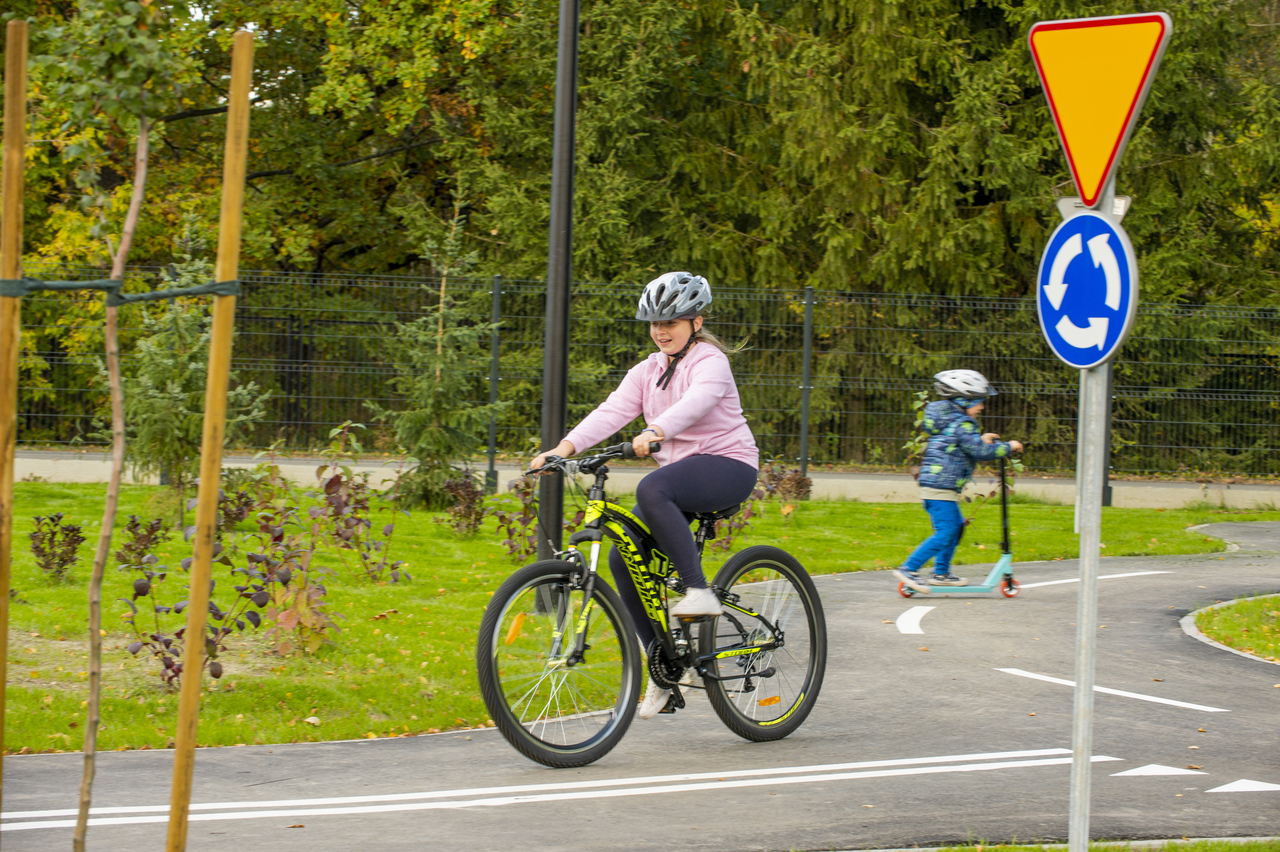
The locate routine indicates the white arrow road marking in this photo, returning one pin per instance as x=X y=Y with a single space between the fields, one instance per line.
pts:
x=566 y=796
x=1245 y=786
x=1056 y=289
x=1157 y=769
x=1083 y=338
x=909 y=621
x=1103 y=577
x=1100 y=251
x=1120 y=692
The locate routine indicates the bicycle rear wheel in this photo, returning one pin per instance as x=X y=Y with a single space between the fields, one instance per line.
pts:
x=757 y=705
x=558 y=712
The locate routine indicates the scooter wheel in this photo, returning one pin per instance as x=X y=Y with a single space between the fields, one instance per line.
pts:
x=906 y=591
x=1009 y=588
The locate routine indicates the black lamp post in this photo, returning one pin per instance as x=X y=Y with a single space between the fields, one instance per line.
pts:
x=555 y=364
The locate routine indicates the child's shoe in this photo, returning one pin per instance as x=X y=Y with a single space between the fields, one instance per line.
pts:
x=655 y=698
x=947 y=579
x=910 y=578
x=697 y=603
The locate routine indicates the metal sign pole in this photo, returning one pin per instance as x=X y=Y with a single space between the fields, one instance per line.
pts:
x=1092 y=469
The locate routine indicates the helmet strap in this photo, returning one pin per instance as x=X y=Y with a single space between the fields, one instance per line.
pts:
x=665 y=379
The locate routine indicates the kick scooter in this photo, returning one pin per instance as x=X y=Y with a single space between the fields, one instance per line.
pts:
x=1001 y=576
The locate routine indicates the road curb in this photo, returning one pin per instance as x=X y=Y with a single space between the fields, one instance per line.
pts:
x=1188 y=625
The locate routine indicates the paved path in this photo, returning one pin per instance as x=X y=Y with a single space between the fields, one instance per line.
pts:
x=55 y=466
x=959 y=733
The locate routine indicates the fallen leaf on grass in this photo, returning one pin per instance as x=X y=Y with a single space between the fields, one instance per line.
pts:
x=312 y=720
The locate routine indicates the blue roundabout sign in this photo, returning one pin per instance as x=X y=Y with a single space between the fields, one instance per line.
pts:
x=1087 y=290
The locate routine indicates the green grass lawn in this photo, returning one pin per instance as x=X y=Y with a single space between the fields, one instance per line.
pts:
x=404 y=662
x=1251 y=626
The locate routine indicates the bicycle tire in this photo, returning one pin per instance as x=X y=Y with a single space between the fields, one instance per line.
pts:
x=556 y=714
x=772 y=583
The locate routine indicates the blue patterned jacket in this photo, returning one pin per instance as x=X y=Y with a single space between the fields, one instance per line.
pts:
x=955 y=443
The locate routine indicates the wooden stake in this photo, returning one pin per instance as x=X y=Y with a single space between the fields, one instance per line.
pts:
x=11 y=189
x=215 y=415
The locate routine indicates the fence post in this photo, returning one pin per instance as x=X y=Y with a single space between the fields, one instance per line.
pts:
x=491 y=476
x=805 y=381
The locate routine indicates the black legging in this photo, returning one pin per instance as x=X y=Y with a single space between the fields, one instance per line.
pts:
x=666 y=501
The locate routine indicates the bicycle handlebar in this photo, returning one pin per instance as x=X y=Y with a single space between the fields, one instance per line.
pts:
x=589 y=464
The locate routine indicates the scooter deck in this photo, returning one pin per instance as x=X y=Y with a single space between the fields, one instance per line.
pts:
x=999 y=578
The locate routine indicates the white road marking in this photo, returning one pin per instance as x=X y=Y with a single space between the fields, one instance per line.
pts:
x=564 y=796
x=1245 y=786
x=569 y=785
x=1157 y=769
x=1120 y=692
x=909 y=621
x=1103 y=577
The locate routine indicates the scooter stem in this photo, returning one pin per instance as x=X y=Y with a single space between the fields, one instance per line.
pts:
x=1004 y=507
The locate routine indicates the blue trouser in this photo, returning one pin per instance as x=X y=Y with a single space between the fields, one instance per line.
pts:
x=666 y=501
x=947 y=522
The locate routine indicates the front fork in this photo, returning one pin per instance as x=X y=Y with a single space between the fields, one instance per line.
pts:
x=580 y=645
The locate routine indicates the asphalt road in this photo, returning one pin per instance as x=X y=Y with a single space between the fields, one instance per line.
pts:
x=952 y=734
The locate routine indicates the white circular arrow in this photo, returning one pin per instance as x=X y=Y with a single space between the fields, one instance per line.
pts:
x=1102 y=255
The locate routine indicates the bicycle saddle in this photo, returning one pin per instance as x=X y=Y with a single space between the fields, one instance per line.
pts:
x=716 y=516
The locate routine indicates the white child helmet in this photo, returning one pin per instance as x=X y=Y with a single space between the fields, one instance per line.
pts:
x=968 y=384
x=674 y=295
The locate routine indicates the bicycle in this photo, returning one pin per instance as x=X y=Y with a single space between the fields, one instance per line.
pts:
x=558 y=659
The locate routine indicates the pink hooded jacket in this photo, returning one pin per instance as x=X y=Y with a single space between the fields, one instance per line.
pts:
x=699 y=412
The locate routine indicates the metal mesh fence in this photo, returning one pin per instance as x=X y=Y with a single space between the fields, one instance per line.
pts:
x=1196 y=388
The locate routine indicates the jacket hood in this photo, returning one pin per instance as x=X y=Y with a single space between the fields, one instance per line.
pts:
x=940 y=414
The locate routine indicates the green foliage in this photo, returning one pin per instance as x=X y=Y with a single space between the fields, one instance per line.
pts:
x=440 y=362
x=55 y=545
x=164 y=386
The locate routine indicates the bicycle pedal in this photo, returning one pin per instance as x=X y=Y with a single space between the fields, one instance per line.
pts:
x=674 y=702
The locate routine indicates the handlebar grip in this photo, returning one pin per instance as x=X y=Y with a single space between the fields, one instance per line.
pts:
x=628 y=451
x=654 y=446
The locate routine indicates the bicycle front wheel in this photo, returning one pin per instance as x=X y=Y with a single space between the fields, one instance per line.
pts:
x=554 y=708
x=767 y=694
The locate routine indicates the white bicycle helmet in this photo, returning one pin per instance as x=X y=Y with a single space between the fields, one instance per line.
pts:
x=674 y=295
x=962 y=384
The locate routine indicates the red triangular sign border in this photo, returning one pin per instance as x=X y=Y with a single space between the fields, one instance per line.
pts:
x=1166 y=30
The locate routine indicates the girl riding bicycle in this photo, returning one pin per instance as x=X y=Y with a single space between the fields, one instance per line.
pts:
x=708 y=460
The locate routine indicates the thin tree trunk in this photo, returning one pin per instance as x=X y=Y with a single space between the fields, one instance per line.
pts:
x=113 y=498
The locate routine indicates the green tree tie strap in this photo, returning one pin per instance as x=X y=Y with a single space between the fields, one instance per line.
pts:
x=213 y=288
x=19 y=287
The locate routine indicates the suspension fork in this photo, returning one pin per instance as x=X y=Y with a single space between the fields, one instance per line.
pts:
x=594 y=535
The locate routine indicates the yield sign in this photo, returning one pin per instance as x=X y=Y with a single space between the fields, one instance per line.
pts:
x=1096 y=73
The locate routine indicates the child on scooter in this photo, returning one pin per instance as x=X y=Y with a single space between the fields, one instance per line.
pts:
x=955 y=444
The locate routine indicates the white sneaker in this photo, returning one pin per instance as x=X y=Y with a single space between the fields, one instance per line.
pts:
x=696 y=603
x=655 y=698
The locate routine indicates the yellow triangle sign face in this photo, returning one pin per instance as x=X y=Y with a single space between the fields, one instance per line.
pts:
x=1096 y=74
